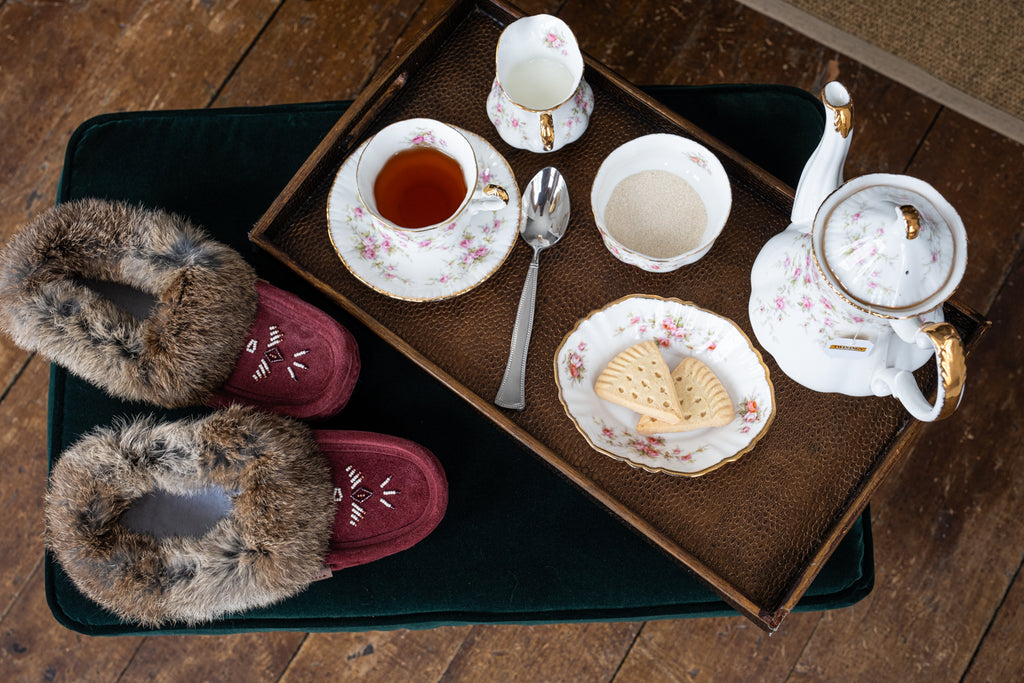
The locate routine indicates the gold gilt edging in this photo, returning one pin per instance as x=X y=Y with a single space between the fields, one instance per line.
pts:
x=949 y=356
x=660 y=470
x=842 y=116
x=497 y=265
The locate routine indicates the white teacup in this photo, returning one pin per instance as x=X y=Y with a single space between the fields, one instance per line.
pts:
x=539 y=100
x=418 y=133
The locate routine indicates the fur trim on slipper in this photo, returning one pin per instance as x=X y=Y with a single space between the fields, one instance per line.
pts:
x=269 y=545
x=178 y=355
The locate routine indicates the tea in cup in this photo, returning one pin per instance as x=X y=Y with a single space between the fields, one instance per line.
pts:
x=420 y=175
x=539 y=100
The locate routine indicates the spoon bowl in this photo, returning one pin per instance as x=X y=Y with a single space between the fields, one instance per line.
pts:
x=545 y=216
x=545 y=209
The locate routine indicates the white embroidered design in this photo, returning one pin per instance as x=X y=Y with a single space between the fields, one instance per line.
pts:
x=262 y=370
x=387 y=492
x=276 y=335
x=357 y=514
x=275 y=355
x=361 y=494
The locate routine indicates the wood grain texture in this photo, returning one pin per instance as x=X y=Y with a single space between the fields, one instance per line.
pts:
x=549 y=652
x=317 y=51
x=702 y=43
x=1000 y=657
x=401 y=655
x=240 y=657
x=22 y=480
x=34 y=647
x=719 y=649
x=63 y=63
x=113 y=55
x=948 y=541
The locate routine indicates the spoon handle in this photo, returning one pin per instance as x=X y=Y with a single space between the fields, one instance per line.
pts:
x=512 y=392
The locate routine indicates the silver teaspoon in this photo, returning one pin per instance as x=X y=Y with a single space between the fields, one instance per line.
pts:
x=545 y=218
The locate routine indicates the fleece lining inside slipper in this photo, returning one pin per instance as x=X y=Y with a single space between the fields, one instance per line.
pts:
x=269 y=546
x=176 y=356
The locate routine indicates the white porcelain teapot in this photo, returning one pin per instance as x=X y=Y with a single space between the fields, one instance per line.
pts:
x=848 y=298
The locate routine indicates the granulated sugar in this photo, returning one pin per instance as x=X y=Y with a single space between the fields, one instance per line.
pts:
x=656 y=213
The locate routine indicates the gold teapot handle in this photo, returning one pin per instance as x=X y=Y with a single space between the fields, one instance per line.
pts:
x=547 y=130
x=949 y=360
x=952 y=371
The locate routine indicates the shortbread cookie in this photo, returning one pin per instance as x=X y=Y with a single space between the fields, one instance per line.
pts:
x=638 y=378
x=702 y=398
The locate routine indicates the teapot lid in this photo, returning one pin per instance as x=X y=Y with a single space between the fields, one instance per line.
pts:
x=890 y=245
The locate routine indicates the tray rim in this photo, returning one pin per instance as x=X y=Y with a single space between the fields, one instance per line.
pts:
x=384 y=87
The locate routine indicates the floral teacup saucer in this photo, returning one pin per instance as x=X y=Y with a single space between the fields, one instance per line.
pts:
x=410 y=266
x=681 y=330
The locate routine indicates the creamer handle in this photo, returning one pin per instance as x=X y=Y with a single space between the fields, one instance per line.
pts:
x=547 y=130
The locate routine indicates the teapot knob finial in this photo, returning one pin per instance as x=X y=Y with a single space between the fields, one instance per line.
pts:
x=913 y=220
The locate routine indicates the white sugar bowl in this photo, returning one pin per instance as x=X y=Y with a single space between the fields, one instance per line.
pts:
x=660 y=201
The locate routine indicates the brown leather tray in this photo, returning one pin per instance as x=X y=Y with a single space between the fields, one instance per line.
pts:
x=756 y=530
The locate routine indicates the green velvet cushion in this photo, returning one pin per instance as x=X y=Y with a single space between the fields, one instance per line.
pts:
x=518 y=543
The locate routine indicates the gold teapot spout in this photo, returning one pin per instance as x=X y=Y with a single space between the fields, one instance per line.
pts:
x=823 y=172
x=841 y=107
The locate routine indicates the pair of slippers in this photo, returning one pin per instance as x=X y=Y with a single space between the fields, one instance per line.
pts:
x=188 y=520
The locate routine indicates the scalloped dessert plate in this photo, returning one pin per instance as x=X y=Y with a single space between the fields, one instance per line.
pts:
x=680 y=329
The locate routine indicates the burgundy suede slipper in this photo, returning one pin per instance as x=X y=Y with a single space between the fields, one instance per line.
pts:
x=147 y=306
x=390 y=494
x=297 y=360
x=230 y=511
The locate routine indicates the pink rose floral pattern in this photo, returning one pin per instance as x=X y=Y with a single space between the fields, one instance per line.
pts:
x=426 y=138
x=700 y=161
x=579 y=112
x=380 y=246
x=653 y=447
x=575 y=367
x=800 y=296
x=750 y=414
x=521 y=128
x=861 y=248
x=859 y=241
x=373 y=245
x=670 y=331
x=556 y=41
x=790 y=293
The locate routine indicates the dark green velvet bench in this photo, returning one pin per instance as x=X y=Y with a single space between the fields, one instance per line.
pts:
x=519 y=544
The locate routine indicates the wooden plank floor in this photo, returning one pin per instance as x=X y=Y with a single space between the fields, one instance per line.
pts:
x=949 y=598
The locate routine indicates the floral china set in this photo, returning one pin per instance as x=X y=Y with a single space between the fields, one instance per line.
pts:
x=848 y=299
